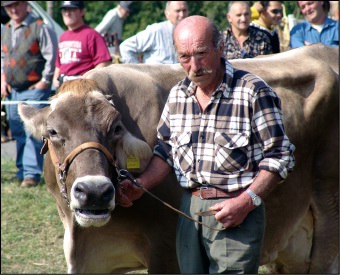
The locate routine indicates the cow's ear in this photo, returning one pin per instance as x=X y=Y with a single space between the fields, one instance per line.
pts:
x=34 y=119
x=132 y=153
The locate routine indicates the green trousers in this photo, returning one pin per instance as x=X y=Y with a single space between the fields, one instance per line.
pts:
x=201 y=250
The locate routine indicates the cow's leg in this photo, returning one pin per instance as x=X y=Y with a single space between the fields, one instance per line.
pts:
x=295 y=258
x=326 y=230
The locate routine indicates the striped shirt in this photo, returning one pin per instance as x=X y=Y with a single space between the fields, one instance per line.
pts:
x=240 y=132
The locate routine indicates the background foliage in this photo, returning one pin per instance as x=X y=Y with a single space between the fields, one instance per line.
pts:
x=148 y=12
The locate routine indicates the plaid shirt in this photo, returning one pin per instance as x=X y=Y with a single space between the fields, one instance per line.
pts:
x=257 y=43
x=240 y=132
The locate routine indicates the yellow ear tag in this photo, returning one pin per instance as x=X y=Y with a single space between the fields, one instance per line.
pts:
x=132 y=162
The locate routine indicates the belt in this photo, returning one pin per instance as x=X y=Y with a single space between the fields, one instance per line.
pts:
x=214 y=193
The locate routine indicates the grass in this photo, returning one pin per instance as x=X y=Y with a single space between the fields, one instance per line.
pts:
x=31 y=231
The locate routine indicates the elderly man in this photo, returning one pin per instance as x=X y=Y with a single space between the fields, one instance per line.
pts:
x=317 y=26
x=222 y=133
x=28 y=53
x=155 y=43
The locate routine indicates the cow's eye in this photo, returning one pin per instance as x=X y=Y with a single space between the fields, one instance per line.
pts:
x=52 y=133
x=118 y=130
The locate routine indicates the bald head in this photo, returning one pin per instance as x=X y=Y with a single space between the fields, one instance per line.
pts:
x=198 y=26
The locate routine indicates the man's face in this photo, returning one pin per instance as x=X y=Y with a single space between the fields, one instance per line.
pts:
x=73 y=17
x=176 y=11
x=17 y=11
x=273 y=13
x=125 y=13
x=311 y=10
x=197 y=55
x=239 y=16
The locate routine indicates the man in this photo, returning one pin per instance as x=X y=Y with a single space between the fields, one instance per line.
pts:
x=222 y=133
x=81 y=48
x=155 y=43
x=241 y=39
x=28 y=51
x=111 y=27
x=317 y=27
x=269 y=18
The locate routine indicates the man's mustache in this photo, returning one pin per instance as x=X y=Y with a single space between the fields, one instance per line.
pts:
x=199 y=72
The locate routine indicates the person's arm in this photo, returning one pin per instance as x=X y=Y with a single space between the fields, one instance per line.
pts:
x=56 y=82
x=137 y=44
x=232 y=212
x=48 y=43
x=101 y=56
x=5 y=88
x=278 y=159
x=156 y=171
x=108 y=20
x=296 y=37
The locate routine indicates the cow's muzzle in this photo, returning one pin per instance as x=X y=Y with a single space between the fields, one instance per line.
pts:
x=92 y=200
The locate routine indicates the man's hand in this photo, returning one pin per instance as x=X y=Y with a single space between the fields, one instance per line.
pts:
x=128 y=192
x=232 y=212
x=5 y=88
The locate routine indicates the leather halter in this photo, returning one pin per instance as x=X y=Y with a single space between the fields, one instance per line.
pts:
x=63 y=167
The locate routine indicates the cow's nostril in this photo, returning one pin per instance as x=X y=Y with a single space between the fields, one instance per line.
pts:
x=93 y=195
x=80 y=192
x=108 y=193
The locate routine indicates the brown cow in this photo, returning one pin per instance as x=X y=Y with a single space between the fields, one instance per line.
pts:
x=302 y=213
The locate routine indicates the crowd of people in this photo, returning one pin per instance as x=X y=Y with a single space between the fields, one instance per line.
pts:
x=32 y=59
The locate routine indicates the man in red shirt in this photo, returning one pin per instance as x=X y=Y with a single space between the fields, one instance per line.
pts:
x=80 y=48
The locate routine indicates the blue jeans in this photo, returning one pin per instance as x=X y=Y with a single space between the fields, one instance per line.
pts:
x=28 y=159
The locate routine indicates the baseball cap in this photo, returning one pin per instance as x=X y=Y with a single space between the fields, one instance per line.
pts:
x=126 y=5
x=6 y=3
x=72 y=4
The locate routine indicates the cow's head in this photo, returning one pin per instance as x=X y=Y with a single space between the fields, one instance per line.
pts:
x=77 y=115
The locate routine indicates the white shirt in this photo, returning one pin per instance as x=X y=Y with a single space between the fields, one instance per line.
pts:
x=111 y=23
x=155 y=42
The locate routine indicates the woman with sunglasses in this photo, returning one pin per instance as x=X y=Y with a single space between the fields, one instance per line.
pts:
x=270 y=15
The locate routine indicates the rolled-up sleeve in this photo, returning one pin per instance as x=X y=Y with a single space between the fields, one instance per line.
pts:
x=268 y=127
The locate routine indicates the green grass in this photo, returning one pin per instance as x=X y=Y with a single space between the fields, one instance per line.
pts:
x=31 y=231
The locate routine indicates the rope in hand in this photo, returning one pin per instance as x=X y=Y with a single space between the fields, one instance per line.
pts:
x=126 y=174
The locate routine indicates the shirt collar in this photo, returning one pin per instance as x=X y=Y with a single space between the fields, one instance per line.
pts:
x=27 y=21
x=328 y=22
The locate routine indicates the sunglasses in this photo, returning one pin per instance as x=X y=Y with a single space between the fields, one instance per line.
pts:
x=276 y=11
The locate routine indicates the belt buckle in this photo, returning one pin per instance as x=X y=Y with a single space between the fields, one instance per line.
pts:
x=201 y=192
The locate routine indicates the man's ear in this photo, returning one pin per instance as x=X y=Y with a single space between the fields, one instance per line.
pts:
x=166 y=13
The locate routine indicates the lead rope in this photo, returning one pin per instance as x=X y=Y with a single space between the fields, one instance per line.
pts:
x=126 y=174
